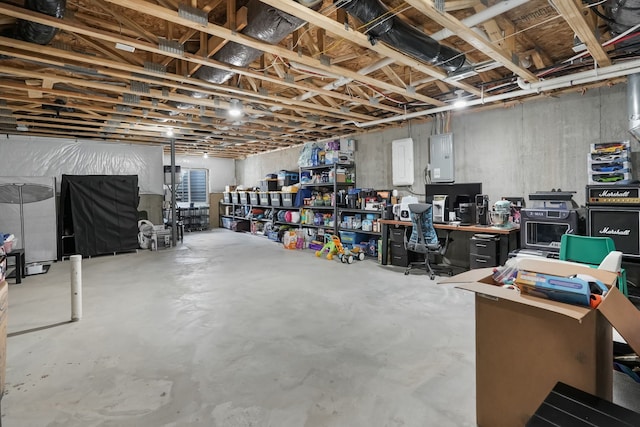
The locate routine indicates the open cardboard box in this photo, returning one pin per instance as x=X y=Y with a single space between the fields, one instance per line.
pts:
x=525 y=344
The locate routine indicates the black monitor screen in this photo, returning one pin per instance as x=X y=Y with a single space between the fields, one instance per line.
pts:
x=456 y=192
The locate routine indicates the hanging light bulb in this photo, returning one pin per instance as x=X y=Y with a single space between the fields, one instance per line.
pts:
x=235 y=108
x=169 y=132
x=459 y=102
x=205 y=155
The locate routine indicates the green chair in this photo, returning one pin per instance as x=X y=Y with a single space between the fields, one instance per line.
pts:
x=591 y=251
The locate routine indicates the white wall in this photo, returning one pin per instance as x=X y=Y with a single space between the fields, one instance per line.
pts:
x=53 y=157
x=221 y=171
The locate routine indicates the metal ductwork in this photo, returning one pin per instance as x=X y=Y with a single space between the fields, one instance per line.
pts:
x=383 y=26
x=40 y=33
x=633 y=104
x=264 y=23
x=622 y=14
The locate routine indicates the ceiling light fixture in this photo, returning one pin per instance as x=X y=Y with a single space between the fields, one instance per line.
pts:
x=169 y=132
x=459 y=102
x=205 y=155
x=235 y=108
x=22 y=128
x=125 y=47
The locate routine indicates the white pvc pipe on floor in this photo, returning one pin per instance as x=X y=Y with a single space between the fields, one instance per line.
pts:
x=76 y=287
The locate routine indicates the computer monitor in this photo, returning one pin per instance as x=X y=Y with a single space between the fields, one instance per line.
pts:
x=464 y=192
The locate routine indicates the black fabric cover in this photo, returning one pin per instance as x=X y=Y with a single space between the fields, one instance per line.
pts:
x=101 y=211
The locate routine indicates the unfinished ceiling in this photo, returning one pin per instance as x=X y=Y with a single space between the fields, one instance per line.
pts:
x=133 y=70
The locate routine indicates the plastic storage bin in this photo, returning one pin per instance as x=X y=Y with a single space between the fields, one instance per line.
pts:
x=276 y=198
x=263 y=198
x=226 y=197
x=254 y=198
x=288 y=199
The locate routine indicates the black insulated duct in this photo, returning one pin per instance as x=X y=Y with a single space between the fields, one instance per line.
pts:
x=40 y=33
x=264 y=23
x=623 y=14
x=383 y=26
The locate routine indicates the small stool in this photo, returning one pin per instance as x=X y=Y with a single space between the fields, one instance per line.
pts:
x=20 y=269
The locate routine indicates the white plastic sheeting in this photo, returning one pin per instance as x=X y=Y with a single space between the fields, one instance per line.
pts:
x=32 y=156
x=36 y=216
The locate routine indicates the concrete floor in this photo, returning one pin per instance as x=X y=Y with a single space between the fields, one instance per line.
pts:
x=230 y=329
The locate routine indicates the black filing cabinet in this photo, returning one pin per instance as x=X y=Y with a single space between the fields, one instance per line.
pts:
x=484 y=251
x=399 y=255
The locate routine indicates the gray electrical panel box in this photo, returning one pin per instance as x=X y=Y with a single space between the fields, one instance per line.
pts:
x=441 y=158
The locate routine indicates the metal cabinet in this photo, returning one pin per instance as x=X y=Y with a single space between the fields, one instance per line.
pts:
x=484 y=250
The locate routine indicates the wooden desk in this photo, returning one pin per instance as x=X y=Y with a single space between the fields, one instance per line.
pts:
x=508 y=236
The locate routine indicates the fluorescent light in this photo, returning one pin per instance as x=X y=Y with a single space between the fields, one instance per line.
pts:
x=125 y=47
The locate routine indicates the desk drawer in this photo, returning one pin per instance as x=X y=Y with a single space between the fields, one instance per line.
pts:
x=400 y=260
x=398 y=249
x=397 y=234
x=487 y=247
x=482 y=261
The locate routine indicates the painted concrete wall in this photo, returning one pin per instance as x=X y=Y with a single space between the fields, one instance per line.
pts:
x=535 y=146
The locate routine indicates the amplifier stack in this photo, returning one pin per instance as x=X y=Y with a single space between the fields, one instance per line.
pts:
x=614 y=211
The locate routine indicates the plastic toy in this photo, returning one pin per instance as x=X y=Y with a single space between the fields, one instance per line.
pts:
x=333 y=246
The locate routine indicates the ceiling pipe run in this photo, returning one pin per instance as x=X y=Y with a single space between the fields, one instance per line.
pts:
x=480 y=17
x=610 y=72
x=383 y=25
x=633 y=104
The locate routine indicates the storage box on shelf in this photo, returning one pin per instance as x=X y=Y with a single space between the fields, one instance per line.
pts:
x=254 y=198
x=276 y=198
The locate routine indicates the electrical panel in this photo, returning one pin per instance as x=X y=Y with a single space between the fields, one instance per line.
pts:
x=441 y=158
x=402 y=161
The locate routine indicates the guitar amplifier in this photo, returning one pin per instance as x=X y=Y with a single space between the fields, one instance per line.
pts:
x=621 y=224
x=613 y=195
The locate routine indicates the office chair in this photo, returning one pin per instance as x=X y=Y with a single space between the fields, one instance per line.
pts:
x=424 y=240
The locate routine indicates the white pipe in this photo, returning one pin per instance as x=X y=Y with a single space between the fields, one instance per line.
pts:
x=482 y=16
x=612 y=71
x=76 y=287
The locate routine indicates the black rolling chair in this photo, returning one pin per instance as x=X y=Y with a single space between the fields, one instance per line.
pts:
x=424 y=240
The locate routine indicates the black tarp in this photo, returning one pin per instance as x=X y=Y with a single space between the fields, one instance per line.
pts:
x=100 y=212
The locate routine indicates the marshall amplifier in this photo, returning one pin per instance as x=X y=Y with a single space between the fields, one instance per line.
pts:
x=613 y=195
x=622 y=225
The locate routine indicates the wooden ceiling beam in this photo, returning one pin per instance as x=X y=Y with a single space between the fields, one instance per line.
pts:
x=574 y=14
x=467 y=34
x=132 y=25
x=214 y=44
x=76 y=28
x=219 y=31
x=360 y=39
x=179 y=80
x=110 y=52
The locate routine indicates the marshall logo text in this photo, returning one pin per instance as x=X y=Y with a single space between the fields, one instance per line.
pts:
x=617 y=232
x=609 y=193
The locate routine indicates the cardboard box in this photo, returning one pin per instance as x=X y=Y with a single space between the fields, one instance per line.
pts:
x=525 y=344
